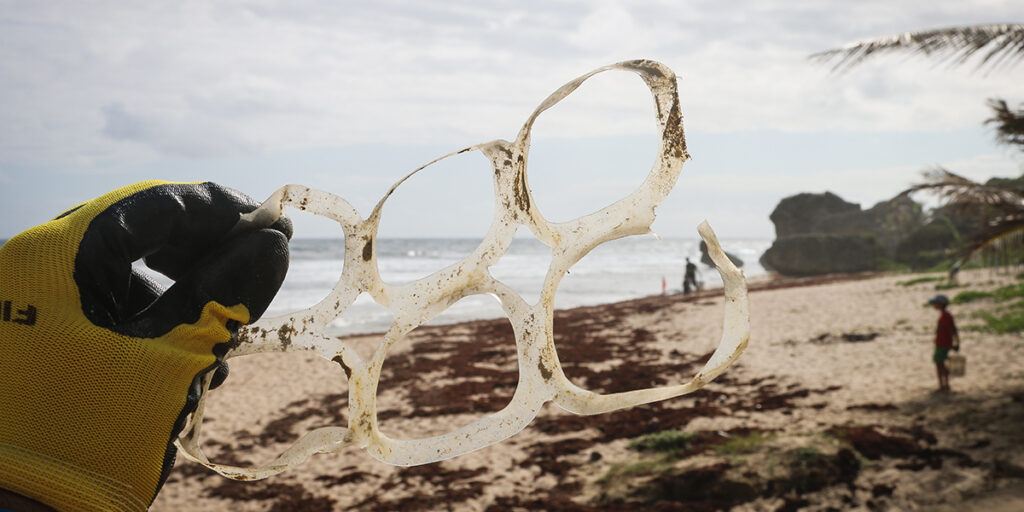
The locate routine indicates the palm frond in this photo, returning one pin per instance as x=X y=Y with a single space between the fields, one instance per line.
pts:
x=999 y=44
x=1002 y=233
x=1001 y=246
x=1009 y=123
x=953 y=189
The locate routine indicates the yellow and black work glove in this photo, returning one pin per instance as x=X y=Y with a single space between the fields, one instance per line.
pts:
x=99 y=366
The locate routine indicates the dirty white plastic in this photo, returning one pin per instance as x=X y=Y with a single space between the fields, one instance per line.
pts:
x=541 y=378
x=957 y=365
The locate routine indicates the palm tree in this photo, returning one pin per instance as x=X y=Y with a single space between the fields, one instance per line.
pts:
x=1000 y=202
x=996 y=206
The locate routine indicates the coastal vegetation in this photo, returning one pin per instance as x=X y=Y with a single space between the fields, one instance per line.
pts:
x=919 y=280
x=744 y=443
x=1005 y=313
x=724 y=469
x=667 y=441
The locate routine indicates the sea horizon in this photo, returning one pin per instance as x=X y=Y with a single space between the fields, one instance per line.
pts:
x=618 y=270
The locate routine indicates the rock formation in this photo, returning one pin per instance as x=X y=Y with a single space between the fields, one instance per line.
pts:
x=705 y=259
x=815 y=254
x=823 y=234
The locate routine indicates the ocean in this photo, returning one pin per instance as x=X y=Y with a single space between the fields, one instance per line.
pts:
x=619 y=270
x=623 y=269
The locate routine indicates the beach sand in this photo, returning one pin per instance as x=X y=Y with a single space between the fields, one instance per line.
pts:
x=832 y=407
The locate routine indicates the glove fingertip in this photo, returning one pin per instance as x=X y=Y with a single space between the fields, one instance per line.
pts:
x=284 y=225
x=219 y=375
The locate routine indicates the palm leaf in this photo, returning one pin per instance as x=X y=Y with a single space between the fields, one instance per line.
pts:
x=1003 y=234
x=953 y=189
x=1002 y=245
x=998 y=44
x=1009 y=123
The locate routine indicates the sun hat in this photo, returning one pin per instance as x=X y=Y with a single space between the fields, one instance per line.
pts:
x=939 y=299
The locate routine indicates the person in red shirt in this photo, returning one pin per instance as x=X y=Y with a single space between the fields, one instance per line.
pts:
x=946 y=338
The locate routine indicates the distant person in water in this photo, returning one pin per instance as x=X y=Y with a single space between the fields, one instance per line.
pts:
x=690 y=277
x=946 y=338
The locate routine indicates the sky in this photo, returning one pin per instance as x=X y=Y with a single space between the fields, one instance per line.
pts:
x=350 y=96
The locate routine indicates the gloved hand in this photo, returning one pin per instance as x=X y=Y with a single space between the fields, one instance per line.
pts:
x=100 y=367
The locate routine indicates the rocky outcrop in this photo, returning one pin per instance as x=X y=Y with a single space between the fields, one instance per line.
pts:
x=805 y=213
x=816 y=254
x=705 y=259
x=823 y=234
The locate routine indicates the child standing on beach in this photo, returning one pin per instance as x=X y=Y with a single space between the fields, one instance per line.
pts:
x=946 y=337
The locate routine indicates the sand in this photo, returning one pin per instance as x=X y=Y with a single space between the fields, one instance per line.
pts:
x=834 y=399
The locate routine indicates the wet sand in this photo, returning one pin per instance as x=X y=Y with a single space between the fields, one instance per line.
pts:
x=831 y=407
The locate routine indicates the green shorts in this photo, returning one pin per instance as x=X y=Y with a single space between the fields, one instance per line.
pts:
x=941 y=354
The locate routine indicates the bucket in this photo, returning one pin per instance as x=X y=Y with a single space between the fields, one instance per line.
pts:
x=957 y=365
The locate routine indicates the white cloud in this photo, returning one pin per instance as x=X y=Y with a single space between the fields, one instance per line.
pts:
x=611 y=27
x=107 y=87
x=307 y=74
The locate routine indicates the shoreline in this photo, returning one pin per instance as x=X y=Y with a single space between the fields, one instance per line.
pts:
x=838 y=370
x=759 y=283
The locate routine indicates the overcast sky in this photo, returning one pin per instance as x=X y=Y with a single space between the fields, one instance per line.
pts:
x=350 y=96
